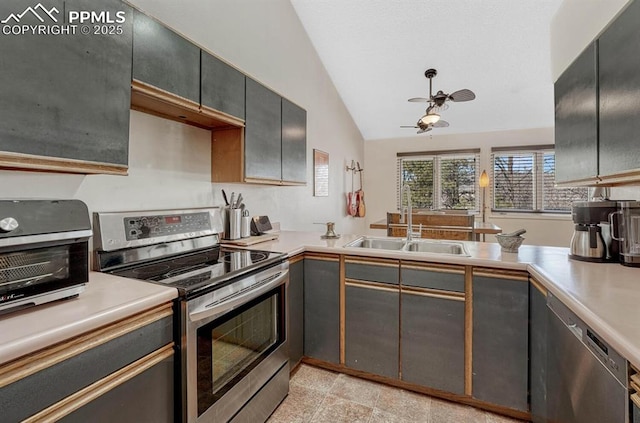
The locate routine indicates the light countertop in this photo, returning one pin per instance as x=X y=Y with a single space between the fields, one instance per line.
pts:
x=106 y=299
x=606 y=296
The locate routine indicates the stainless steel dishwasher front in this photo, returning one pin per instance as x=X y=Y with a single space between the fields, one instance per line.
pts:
x=586 y=378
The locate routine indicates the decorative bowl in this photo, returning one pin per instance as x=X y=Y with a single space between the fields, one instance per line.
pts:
x=509 y=243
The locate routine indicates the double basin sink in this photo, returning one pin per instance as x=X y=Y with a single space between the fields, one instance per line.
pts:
x=400 y=244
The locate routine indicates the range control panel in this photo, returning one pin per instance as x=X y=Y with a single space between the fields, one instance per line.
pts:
x=141 y=227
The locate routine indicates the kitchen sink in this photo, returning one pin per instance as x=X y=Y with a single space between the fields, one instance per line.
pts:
x=437 y=247
x=399 y=244
x=378 y=243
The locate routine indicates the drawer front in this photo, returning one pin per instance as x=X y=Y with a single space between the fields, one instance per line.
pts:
x=364 y=271
x=432 y=279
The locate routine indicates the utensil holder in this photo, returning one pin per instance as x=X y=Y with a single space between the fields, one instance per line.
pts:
x=233 y=224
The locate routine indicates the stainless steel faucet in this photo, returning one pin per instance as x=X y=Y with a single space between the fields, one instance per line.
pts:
x=406 y=188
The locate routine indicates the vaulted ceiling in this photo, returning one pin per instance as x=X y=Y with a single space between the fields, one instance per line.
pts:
x=376 y=53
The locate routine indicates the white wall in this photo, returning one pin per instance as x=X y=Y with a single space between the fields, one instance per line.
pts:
x=380 y=182
x=169 y=163
x=576 y=24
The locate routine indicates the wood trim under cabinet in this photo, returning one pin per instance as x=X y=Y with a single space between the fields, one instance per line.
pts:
x=101 y=387
x=343 y=312
x=377 y=286
x=433 y=293
x=435 y=267
x=517 y=275
x=296 y=258
x=373 y=261
x=155 y=101
x=40 y=360
x=57 y=164
x=468 y=331
x=537 y=285
x=322 y=256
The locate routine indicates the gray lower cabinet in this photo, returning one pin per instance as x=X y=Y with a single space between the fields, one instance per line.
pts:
x=372 y=328
x=296 y=311
x=263 y=133
x=433 y=327
x=164 y=59
x=619 y=62
x=122 y=372
x=67 y=96
x=221 y=86
x=635 y=413
x=294 y=142
x=500 y=339
x=322 y=308
x=538 y=323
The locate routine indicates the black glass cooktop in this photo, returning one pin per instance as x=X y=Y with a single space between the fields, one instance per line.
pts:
x=203 y=269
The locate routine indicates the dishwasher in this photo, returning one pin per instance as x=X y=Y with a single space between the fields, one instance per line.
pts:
x=586 y=378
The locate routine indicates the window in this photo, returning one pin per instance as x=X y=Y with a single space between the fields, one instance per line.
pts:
x=439 y=180
x=525 y=181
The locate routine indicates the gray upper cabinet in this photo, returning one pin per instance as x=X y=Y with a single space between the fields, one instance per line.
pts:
x=619 y=78
x=294 y=142
x=67 y=96
x=501 y=340
x=263 y=133
x=164 y=59
x=576 y=119
x=322 y=309
x=222 y=86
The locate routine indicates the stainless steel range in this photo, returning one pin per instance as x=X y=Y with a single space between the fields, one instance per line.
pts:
x=43 y=251
x=231 y=314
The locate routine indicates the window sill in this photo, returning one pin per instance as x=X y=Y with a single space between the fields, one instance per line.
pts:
x=530 y=216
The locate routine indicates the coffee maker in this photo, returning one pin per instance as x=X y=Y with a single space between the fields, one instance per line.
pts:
x=592 y=240
x=626 y=231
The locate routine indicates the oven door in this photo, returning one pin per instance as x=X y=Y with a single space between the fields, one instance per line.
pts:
x=32 y=271
x=235 y=346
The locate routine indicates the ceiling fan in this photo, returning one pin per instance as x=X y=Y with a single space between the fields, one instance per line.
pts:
x=437 y=103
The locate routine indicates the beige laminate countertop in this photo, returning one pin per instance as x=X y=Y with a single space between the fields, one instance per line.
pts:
x=106 y=299
x=606 y=296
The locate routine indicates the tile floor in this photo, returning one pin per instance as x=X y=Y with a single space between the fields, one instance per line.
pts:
x=321 y=396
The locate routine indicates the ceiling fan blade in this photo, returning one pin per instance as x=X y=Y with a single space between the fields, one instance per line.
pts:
x=423 y=130
x=408 y=126
x=462 y=95
x=440 y=124
x=418 y=100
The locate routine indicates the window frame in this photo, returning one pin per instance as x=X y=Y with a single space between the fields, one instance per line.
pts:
x=538 y=178
x=438 y=157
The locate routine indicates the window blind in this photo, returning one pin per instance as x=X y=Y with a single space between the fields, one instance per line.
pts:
x=525 y=181
x=443 y=180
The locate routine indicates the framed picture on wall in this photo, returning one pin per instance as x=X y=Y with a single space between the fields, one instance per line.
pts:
x=320 y=173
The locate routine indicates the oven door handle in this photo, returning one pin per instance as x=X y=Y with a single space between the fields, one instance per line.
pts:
x=206 y=311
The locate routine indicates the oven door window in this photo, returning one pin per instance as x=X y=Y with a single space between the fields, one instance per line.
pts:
x=229 y=347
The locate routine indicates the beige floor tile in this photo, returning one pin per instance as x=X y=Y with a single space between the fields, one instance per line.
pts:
x=338 y=410
x=299 y=406
x=404 y=404
x=445 y=412
x=496 y=418
x=380 y=416
x=357 y=390
x=314 y=378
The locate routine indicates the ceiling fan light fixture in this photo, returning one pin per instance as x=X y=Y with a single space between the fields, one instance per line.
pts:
x=430 y=118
